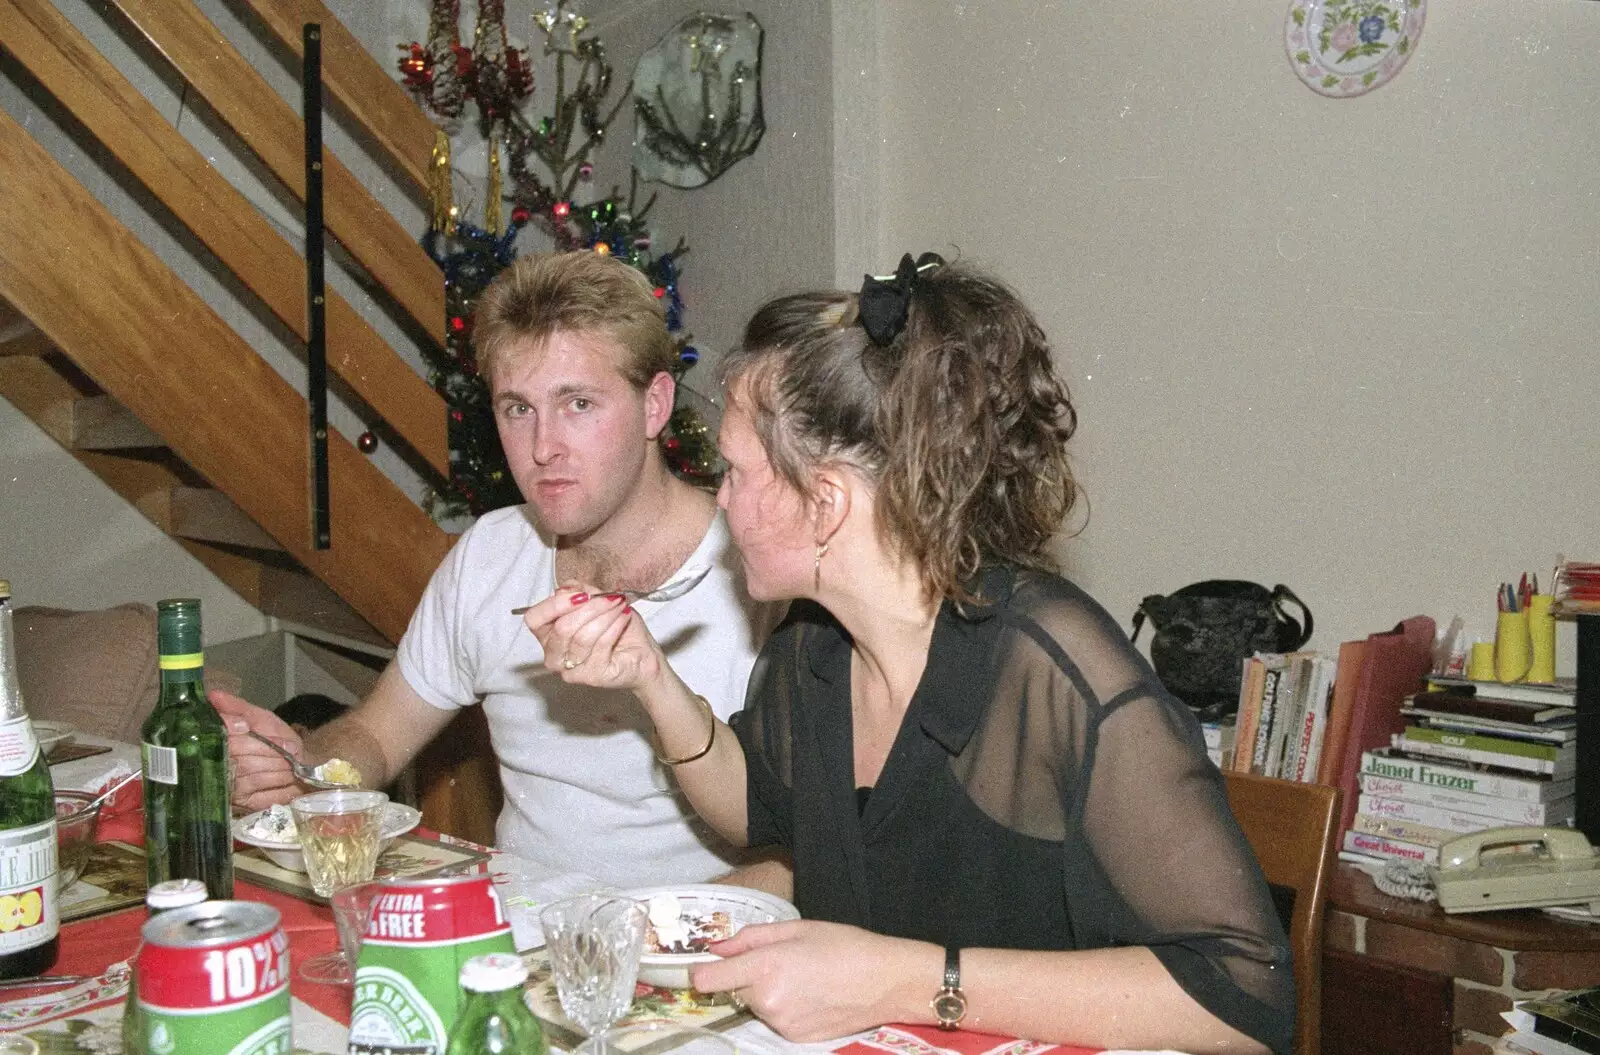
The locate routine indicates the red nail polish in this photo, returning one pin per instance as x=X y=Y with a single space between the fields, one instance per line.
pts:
x=579 y=598
x=613 y=597
x=627 y=610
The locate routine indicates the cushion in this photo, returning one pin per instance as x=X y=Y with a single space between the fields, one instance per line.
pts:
x=95 y=671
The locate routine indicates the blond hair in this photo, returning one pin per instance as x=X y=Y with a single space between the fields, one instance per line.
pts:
x=578 y=292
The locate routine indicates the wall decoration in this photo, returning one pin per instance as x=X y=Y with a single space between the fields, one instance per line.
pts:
x=697 y=100
x=1344 y=48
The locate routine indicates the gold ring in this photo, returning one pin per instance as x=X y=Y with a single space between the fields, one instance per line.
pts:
x=736 y=1000
x=569 y=663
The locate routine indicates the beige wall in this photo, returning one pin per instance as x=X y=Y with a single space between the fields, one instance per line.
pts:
x=1346 y=345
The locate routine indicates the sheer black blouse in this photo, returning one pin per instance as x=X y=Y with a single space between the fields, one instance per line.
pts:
x=1044 y=792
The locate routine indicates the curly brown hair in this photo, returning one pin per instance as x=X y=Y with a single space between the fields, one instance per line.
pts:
x=960 y=423
x=574 y=292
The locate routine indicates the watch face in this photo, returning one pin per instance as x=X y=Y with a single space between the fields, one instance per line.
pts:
x=950 y=1007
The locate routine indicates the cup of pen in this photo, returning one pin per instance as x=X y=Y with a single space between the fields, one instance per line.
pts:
x=340 y=833
x=1513 y=648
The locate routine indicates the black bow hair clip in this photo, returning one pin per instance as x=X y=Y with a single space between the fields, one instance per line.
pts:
x=885 y=299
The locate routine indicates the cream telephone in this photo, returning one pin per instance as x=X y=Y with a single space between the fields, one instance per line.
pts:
x=1518 y=868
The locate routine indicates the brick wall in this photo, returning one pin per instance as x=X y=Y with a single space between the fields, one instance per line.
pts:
x=1487 y=980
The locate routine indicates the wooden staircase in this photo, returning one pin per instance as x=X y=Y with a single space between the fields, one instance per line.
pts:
x=115 y=357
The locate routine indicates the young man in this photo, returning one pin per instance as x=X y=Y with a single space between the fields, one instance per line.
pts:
x=576 y=352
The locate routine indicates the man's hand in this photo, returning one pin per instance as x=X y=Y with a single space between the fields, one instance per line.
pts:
x=261 y=776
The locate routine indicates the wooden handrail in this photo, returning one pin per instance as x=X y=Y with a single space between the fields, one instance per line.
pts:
x=264 y=122
x=191 y=378
x=84 y=81
x=361 y=85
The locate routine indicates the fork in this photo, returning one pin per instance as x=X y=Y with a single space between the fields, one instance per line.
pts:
x=305 y=774
x=666 y=592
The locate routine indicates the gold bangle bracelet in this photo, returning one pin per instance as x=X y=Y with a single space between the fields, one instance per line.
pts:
x=704 y=751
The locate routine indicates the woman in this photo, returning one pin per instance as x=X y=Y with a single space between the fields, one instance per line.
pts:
x=998 y=818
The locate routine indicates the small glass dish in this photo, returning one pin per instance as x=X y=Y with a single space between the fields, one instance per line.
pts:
x=77 y=823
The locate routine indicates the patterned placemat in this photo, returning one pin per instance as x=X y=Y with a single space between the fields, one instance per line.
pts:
x=113 y=879
x=411 y=856
x=684 y=1007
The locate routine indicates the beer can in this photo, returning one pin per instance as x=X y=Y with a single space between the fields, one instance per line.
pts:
x=213 y=979
x=407 y=990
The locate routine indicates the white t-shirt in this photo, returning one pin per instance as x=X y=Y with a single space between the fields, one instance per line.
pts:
x=583 y=790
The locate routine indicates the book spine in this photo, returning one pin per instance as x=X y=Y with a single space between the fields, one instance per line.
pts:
x=1315 y=731
x=1459 y=820
x=1501 y=745
x=1392 y=849
x=1449 y=753
x=1500 y=810
x=1406 y=831
x=1249 y=713
x=1341 y=702
x=1269 y=701
x=1458 y=778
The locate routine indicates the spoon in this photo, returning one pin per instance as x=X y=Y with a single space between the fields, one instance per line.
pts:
x=305 y=774
x=668 y=592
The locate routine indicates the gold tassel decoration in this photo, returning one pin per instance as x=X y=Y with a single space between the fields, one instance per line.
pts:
x=440 y=196
x=491 y=204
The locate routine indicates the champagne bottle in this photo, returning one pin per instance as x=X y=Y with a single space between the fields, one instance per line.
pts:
x=186 y=775
x=29 y=925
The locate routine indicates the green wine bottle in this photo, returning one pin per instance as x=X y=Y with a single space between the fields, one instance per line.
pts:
x=186 y=775
x=29 y=926
x=494 y=1020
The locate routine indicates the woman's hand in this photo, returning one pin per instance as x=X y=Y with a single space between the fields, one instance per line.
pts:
x=594 y=639
x=813 y=981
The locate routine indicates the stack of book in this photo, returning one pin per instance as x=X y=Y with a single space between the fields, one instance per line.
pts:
x=1283 y=715
x=1472 y=755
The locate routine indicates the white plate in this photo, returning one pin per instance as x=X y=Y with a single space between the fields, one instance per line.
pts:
x=1343 y=48
x=398 y=818
x=49 y=734
x=744 y=906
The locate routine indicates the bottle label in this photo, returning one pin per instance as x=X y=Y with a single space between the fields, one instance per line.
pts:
x=179 y=668
x=19 y=748
x=160 y=763
x=28 y=886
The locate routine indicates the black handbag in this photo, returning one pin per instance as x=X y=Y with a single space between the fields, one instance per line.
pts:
x=1205 y=631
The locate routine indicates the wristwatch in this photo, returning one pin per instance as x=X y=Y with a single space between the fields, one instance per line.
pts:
x=950 y=1003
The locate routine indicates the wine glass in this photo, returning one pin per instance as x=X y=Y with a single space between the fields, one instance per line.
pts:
x=352 y=910
x=595 y=942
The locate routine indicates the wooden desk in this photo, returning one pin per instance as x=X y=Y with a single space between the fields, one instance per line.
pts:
x=1405 y=978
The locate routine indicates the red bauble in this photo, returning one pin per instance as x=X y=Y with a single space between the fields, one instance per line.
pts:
x=367 y=442
x=672 y=443
x=561 y=210
x=457 y=416
x=520 y=215
x=659 y=291
x=457 y=323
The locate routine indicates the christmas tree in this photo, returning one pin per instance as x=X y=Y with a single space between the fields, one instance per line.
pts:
x=549 y=164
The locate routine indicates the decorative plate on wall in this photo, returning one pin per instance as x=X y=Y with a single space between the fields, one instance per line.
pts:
x=1343 y=48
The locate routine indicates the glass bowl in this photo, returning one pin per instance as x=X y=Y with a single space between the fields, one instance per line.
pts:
x=76 y=827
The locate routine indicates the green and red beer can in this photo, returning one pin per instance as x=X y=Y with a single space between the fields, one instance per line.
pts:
x=213 y=979
x=407 y=989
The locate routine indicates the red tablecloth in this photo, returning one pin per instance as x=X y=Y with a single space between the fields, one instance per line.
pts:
x=89 y=946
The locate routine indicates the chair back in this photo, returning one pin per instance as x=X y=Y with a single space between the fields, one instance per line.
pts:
x=1293 y=829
